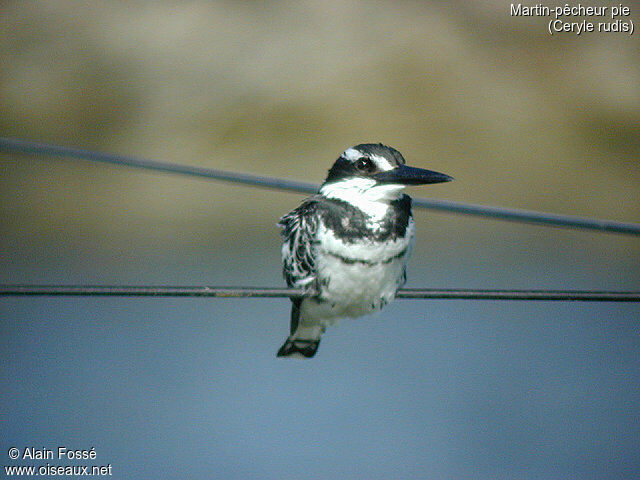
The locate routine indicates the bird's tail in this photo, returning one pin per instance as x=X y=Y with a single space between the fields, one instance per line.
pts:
x=303 y=340
x=295 y=348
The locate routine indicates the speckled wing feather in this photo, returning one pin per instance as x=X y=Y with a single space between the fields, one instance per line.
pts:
x=299 y=228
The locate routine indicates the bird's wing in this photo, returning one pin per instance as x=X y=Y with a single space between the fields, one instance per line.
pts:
x=299 y=228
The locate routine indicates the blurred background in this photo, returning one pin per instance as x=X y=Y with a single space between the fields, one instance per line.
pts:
x=424 y=389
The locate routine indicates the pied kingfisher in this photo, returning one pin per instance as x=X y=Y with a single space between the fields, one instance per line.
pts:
x=347 y=246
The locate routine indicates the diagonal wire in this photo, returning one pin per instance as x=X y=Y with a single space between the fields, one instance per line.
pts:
x=244 y=292
x=500 y=213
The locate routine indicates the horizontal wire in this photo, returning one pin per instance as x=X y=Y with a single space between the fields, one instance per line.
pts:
x=500 y=213
x=245 y=292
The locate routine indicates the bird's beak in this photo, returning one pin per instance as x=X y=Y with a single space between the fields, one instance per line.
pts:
x=405 y=175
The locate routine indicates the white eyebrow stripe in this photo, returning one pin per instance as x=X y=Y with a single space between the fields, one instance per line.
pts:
x=352 y=154
x=382 y=163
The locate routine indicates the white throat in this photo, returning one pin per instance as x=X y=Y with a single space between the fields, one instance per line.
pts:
x=365 y=194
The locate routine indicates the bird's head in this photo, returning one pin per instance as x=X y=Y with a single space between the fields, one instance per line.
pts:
x=375 y=171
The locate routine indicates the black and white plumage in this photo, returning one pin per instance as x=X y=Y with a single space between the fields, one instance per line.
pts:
x=347 y=246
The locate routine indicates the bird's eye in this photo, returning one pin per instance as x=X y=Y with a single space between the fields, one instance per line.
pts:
x=365 y=165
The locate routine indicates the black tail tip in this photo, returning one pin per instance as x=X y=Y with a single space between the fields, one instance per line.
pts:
x=298 y=348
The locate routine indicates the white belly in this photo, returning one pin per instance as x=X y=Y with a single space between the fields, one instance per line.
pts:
x=357 y=289
x=357 y=278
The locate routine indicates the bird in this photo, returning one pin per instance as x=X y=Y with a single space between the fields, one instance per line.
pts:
x=346 y=247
